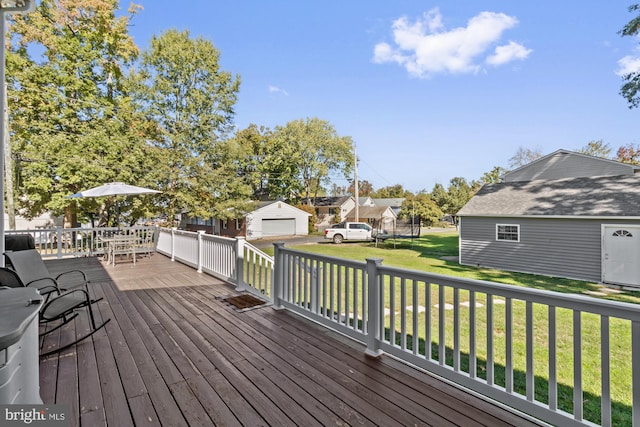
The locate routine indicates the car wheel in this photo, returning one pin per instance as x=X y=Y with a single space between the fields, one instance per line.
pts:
x=337 y=239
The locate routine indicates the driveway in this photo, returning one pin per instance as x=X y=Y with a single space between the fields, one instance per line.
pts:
x=288 y=240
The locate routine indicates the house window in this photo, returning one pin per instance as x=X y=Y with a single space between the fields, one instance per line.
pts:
x=239 y=224
x=508 y=232
x=225 y=224
x=622 y=233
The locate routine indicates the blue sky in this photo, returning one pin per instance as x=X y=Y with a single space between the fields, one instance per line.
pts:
x=428 y=91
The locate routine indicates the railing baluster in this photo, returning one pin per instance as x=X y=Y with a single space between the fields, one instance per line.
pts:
x=473 y=361
x=529 y=350
x=553 y=360
x=605 y=372
x=427 y=321
x=392 y=308
x=403 y=313
x=635 y=387
x=416 y=311
x=441 y=325
x=355 y=299
x=456 y=329
x=577 y=365
x=339 y=295
x=508 y=375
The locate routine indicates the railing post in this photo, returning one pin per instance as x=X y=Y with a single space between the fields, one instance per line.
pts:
x=240 y=285
x=374 y=311
x=277 y=284
x=59 y=241
x=173 y=243
x=200 y=251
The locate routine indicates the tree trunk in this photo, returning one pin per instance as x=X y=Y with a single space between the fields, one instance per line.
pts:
x=8 y=167
x=70 y=217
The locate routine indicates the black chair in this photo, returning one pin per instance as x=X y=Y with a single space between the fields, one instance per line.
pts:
x=33 y=272
x=60 y=306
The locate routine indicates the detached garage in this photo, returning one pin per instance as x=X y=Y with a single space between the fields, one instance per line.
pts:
x=275 y=219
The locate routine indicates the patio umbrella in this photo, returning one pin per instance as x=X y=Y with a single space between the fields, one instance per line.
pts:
x=113 y=189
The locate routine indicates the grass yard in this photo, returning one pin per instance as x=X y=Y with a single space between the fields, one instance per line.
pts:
x=425 y=254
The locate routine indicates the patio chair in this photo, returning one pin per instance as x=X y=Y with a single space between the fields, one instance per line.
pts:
x=33 y=272
x=60 y=306
x=146 y=244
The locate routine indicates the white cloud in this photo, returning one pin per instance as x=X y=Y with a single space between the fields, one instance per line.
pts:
x=627 y=65
x=507 y=53
x=276 y=89
x=425 y=47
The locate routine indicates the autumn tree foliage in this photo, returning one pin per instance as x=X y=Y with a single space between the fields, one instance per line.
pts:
x=629 y=153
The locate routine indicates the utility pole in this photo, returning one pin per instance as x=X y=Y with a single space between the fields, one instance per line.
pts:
x=355 y=184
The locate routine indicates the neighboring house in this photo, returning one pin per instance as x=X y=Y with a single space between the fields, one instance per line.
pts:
x=582 y=227
x=330 y=209
x=274 y=219
x=46 y=220
x=394 y=203
x=381 y=217
x=269 y=219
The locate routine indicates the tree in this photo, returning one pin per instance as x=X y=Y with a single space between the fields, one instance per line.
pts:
x=459 y=193
x=183 y=89
x=365 y=188
x=440 y=197
x=493 y=176
x=524 y=156
x=421 y=204
x=629 y=153
x=69 y=109
x=390 y=192
x=631 y=85
x=597 y=148
x=456 y=196
x=337 y=190
x=317 y=152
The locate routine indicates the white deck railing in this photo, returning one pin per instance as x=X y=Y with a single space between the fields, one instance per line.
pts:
x=233 y=260
x=526 y=348
x=73 y=242
x=499 y=340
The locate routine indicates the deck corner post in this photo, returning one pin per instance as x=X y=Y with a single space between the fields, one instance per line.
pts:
x=374 y=309
x=277 y=284
x=173 y=243
x=200 y=251
x=239 y=276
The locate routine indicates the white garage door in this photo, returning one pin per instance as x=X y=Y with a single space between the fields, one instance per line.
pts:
x=278 y=227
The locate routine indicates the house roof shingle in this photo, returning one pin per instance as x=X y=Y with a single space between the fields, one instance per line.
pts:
x=601 y=196
x=373 y=212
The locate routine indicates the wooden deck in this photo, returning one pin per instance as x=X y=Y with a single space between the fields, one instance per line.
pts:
x=175 y=354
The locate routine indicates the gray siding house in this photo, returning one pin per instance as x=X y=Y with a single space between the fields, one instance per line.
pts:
x=585 y=227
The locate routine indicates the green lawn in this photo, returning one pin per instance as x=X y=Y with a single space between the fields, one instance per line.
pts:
x=425 y=254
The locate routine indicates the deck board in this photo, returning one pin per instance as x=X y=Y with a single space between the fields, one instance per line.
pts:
x=175 y=354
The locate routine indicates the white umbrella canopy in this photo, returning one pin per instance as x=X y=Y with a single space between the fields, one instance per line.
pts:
x=113 y=189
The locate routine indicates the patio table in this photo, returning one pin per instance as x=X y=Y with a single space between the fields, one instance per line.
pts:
x=120 y=245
